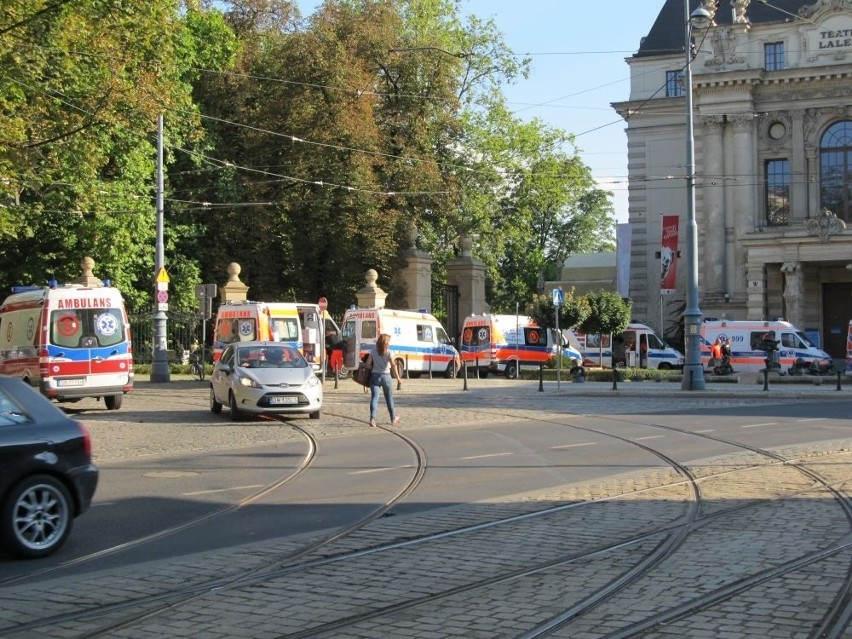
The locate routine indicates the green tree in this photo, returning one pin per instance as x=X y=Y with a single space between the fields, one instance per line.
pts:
x=572 y=313
x=608 y=313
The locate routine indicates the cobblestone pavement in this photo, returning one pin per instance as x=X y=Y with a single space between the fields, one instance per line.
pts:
x=174 y=418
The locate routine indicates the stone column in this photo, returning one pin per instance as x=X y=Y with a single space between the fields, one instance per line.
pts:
x=793 y=290
x=798 y=169
x=743 y=193
x=417 y=275
x=371 y=296
x=713 y=190
x=233 y=290
x=468 y=274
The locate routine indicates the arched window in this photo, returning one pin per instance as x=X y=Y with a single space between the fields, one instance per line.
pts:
x=835 y=165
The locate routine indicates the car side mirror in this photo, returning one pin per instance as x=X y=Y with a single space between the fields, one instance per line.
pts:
x=225 y=368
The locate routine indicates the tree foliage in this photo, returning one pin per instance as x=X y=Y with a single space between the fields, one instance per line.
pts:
x=304 y=149
x=572 y=313
x=609 y=313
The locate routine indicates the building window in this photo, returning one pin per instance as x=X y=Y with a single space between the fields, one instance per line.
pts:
x=777 y=192
x=835 y=165
x=674 y=84
x=773 y=53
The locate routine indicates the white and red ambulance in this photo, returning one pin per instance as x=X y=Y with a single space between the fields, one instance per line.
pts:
x=69 y=341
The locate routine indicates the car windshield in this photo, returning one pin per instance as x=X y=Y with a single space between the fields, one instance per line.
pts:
x=270 y=356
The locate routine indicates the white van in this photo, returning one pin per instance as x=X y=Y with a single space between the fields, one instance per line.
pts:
x=638 y=346
x=418 y=340
x=493 y=343
x=70 y=341
x=749 y=343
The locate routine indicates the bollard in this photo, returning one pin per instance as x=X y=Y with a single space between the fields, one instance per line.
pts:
x=541 y=378
x=766 y=378
x=406 y=366
x=838 y=379
x=464 y=371
x=430 y=365
x=336 y=377
x=614 y=379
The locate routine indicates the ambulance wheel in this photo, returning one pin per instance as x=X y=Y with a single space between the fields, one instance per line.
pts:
x=482 y=373
x=113 y=402
x=511 y=371
x=451 y=371
x=665 y=366
x=400 y=367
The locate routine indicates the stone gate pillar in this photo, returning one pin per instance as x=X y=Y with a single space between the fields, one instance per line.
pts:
x=416 y=276
x=371 y=296
x=233 y=290
x=468 y=274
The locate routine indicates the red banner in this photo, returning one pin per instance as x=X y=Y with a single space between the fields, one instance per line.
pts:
x=668 y=255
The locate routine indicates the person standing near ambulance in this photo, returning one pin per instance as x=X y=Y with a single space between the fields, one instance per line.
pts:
x=381 y=361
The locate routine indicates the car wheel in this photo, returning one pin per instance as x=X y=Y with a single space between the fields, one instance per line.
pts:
x=215 y=406
x=450 y=373
x=36 y=517
x=483 y=373
x=511 y=370
x=236 y=415
x=113 y=402
x=315 y=415
x=665 y=366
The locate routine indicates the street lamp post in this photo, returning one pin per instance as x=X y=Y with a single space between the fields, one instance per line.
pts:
x=693 y=372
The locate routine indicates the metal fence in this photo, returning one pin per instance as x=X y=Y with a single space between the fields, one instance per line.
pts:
x=445 y=307
x=182 y=329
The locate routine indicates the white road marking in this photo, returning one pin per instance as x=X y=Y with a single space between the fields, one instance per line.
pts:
x=813 y=419
x=486 y=456
x=759 y=425
x=639 y=439
x=377 y=470
x=706 y=430
x=572 y=446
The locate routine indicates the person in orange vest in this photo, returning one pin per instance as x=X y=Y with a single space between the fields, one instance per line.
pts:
x=716 y=353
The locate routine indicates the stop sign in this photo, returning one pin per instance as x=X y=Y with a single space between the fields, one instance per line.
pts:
x=323 y=304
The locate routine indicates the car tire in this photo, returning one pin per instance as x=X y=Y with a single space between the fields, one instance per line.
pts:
x=400 y=367
x=215 y=406
x=315 y=415
x=236 y=415
x=511 y=371
x=36 y=517
x=450 y=373
x=113 y=402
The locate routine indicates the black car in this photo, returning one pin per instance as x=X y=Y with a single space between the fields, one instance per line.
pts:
x=46 y=473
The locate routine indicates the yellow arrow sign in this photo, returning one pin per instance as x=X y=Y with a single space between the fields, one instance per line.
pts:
x=162 y=276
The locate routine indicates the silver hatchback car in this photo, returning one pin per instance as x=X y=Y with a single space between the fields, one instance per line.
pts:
x=262 y=378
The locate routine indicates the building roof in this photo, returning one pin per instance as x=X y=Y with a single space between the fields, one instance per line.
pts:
x=667 y=34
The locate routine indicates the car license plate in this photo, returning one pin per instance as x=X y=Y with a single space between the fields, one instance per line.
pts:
x=74 y=381
x=283 y=400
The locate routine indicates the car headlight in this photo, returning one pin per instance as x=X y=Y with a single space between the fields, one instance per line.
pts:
x=248 y=381
x=312 y=381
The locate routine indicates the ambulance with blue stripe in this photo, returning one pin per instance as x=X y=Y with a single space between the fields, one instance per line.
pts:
x=419 y=342
x=749 y=339
x=505 y=344
x=849 y=350
x=69 y=341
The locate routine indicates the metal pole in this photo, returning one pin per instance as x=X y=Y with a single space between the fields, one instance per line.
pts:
x=693 y=374
x=160 y=365
x=559 y=357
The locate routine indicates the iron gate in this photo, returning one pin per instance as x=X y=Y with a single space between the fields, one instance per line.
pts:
x=445 y=307
x=182 y=329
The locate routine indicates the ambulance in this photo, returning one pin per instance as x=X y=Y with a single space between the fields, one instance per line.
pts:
x=749 y=340
x=69 y=341
x=303 y=326
x=243 y=321
x=638 y=346
x=419 y=342
x=492 y=343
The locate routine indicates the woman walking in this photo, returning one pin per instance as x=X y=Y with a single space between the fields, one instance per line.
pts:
x=383 y=367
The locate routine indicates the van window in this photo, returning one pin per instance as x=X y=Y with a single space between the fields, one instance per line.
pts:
x=756 y=340
x=655 y=343
x=424 y=333
x=534 y=336
x=235 y=330
x=87 y=328
x=442 y=336
x=476 y=336
x=368 y=329
x=348 y=331
x=287 y=329
x=789 y=340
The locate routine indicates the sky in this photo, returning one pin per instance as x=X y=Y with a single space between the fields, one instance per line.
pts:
x=578 y=50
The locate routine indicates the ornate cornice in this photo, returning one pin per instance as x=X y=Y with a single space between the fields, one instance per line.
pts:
x=825 y=225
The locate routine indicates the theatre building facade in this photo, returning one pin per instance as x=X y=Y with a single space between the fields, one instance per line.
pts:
x=772 y=113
